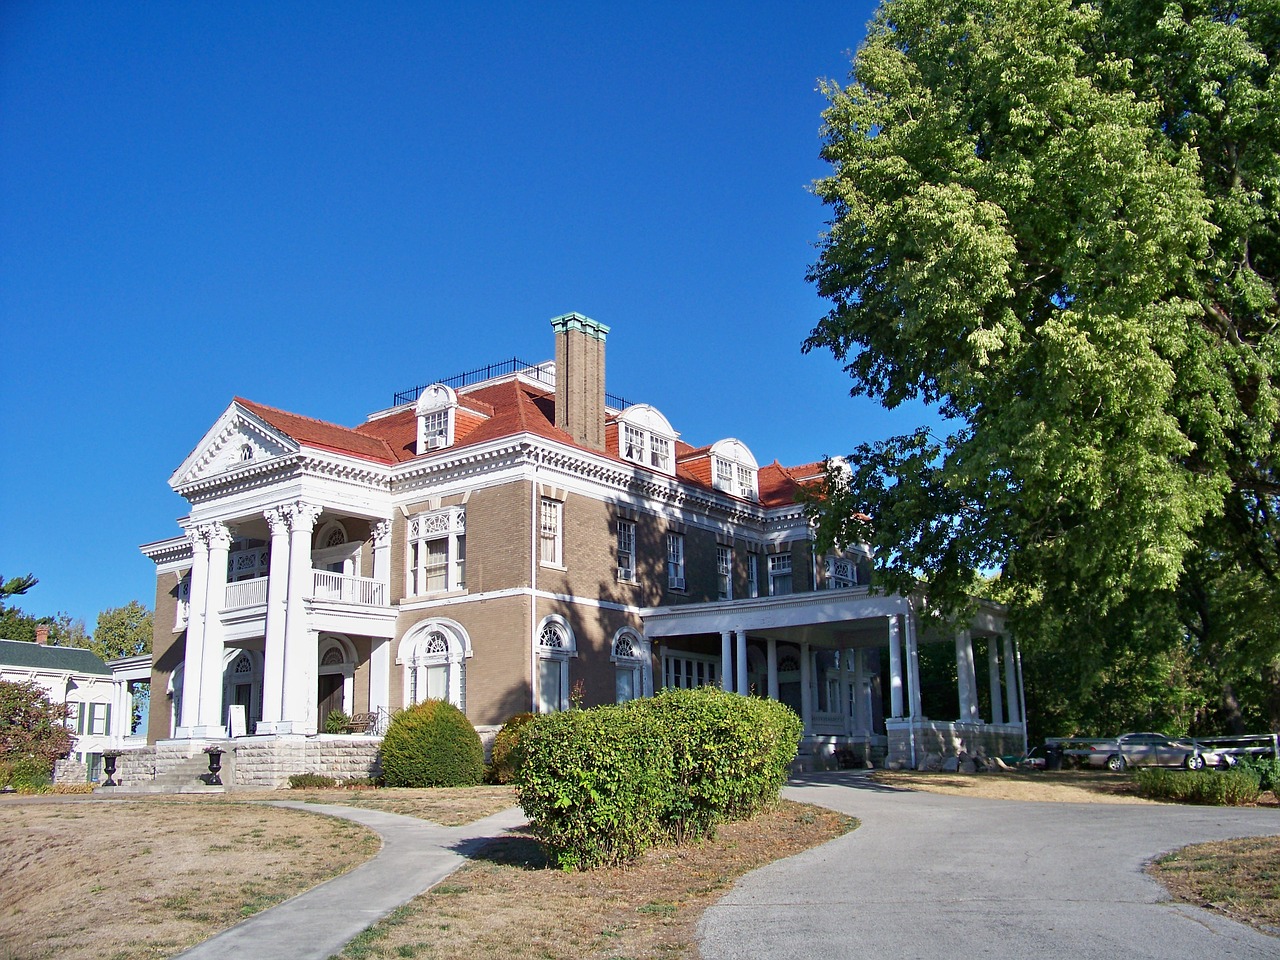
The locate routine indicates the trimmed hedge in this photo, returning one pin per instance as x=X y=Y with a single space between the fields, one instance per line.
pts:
x=1229 y=788
x=432 y=744
x=603 y=785
x=505 y=756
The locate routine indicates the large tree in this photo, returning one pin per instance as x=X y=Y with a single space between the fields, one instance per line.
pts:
x=122 y=631
x=1059 y=223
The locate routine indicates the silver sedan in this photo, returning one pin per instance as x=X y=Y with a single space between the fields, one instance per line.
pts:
x=1153 y=750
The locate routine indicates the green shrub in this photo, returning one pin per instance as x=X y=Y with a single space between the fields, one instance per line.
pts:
x=505 y=757
x=337 y=722
x=602 y=785
x=730 y=755
x=432 y=744
x=31 y=774
x=1267 y=769
x=594 y=783
x=1233 y=787
x=311 y=781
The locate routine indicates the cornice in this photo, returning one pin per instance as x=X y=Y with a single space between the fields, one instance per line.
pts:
x=173 y=550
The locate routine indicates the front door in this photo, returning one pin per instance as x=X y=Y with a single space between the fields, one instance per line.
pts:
x=330 y=695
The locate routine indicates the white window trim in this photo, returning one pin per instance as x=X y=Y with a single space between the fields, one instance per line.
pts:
x=562 y=655
x=711 y=669
x=449 y=524
x=435 y=401
x=753 y=575
x=777 y=570
x=415 y=661
x=626 y=557
x=724 y=572
x=677 y=572
x=557 y=538
x=639 y=660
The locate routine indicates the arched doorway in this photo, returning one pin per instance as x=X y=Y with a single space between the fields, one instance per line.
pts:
x=242 y=684
x=335 y=675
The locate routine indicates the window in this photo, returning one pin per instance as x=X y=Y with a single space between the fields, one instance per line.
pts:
x=687 y=671
x=183 y=597
x=779 y=574
x=675 y=561
x=435 y=410
x=435 y=664
x=631 y=658
x=555 y=649
x=645 y=437
x=632 y=443
x=660 y=453
x=437 y=552
x=734 y=469
x=247 y=560
x=724 y=572
x=627 y=551
x=841 y=573
x=753 y=575
x=550 y=532
x=93 y=719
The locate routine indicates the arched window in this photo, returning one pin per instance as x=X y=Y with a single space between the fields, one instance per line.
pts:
x=556 y=647
x=337 y=671
x=634 y=665
x=435 y=666
x=435 y=411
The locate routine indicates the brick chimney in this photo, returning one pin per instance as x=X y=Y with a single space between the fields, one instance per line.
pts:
x=42 y=634
x=580 y=378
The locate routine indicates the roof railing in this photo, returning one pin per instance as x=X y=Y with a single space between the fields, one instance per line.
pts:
x=491 y=371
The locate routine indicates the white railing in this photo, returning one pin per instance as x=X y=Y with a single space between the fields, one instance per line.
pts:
x=246 y=593
x=339 y=586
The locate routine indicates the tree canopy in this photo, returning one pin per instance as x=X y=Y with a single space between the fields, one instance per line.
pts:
x=1059 y=223
x=122 y=631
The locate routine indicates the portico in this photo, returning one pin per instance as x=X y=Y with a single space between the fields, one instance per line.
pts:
x=848 y=662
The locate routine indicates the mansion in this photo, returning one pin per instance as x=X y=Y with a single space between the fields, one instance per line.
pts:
x=517 y=539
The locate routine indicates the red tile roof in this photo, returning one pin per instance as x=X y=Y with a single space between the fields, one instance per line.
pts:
x=318 y=433
x=503 y=410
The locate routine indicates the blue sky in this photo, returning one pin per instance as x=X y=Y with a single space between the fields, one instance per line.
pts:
x=314 y=205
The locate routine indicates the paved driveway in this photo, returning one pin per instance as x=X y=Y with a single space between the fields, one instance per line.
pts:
x=938 y=877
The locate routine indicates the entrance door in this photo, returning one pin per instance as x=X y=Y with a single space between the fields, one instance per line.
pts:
x=330 y=695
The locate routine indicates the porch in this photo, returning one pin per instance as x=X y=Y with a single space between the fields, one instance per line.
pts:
x=848 y=662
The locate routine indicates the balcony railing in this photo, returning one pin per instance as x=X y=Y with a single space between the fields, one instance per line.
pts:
x=246 y=593
x=339 y=586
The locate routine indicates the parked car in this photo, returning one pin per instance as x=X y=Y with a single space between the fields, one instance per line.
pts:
x=1153 y=750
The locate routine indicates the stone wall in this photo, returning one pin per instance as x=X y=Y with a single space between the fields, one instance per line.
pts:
x=70 y=771
x=269 y=762
x=951 y=739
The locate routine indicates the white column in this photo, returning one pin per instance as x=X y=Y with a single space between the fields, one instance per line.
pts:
x=966 y=677
x=742 y=661
x=913 y=663
x=726 y=661
x=895 y=669
x=380 y=651
x=806 y=684
x=209 y=722
x=277 y=613
x=842 y=699
x=860 y=692
x=301 y=643
x=993 y=675
x=193 y=657
x=771 y=666
x=1011 y=680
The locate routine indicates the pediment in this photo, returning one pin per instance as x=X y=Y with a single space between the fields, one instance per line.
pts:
x=238 y=440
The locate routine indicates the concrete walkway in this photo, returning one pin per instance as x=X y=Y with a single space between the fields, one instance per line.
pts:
x=939 y=877
x=415 y=856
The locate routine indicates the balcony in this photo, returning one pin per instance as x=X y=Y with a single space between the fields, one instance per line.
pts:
x=335 y=602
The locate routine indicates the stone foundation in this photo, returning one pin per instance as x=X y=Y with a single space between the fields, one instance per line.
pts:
x=950 y=739
x=271 y=761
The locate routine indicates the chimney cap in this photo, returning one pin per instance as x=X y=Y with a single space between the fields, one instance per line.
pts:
x=576 y=321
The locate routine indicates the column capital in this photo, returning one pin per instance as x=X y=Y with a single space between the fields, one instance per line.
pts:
x=381 y=533
x=215 y=534
x=303 y=516
x=277 y=519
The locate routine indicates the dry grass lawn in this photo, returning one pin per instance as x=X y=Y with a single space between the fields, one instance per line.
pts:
x=447 y=806
x=123 y=880
x=1240 y=878
x=1050 y=786
x=509 y=903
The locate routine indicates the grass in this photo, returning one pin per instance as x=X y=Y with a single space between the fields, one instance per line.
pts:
x=509 y=902
x=1239 y=878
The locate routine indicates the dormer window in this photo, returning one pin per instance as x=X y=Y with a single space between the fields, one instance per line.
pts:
x=645 y=437
x=734 y=469
x=436 y=409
